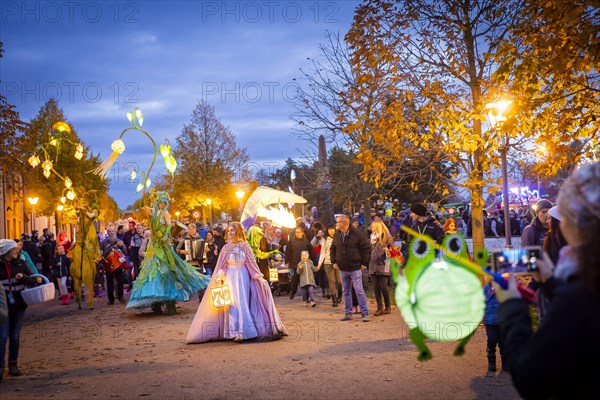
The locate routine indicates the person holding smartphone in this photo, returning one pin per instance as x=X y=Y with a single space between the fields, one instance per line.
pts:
x=560 y=360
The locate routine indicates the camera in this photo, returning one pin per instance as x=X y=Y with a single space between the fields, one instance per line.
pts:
x=516 y=260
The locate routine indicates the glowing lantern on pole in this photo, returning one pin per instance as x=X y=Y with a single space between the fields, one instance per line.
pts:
x=71 y=194
x=273 y=275
x=79 y=152
x=34 y=161
x=68 y=183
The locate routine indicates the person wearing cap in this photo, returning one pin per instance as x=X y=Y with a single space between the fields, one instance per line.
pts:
x=15 y=276
x=535 y=233
x=560 y=359
x=425 y=223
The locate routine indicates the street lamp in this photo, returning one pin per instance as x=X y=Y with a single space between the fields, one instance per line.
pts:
x=33 y=201
x=209 y=202
x=240 y=195
x=497 y=116
x=177 y=213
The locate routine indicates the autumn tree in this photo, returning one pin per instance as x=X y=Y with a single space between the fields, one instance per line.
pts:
x=10 y=128
x=549 y=62
x=210 y=162
x=433 y=62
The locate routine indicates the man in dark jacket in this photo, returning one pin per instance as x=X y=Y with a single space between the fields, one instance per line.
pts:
x=293 y=250
x=350 y=253
x=426 y=224
x=535 y=233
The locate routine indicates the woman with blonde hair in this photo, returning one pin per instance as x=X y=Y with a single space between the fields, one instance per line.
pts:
x=381 y=239
x=252 y=313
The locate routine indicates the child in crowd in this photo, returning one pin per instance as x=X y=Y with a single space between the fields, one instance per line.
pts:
x=61 y=269
x=306 y=270
x=492 y=327
x=99 y=280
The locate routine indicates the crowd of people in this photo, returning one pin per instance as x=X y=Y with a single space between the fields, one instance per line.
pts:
x=334 y=262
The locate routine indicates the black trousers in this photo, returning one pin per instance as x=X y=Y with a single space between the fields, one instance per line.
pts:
x=493 y=339
x=380 y=287
x=110 y=283
x=294 y=282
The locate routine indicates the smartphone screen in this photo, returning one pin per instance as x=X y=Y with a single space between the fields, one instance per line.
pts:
x=516 y=260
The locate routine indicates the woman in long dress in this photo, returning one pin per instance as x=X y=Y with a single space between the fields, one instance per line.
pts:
x=252 y=313
x=164 y=278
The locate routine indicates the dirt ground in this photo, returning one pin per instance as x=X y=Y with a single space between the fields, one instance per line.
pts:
x=110 y=352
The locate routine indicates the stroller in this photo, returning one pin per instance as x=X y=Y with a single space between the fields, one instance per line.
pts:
x=283 y=276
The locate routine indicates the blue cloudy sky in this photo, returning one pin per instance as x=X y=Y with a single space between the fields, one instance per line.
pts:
x=101 y=59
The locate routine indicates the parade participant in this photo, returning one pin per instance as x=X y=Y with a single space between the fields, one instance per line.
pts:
x=48 y=250
x=450 y=226
x=535 y=233
x=297 y=244
x=252 y=313
x=381 y=239
x=306 y=272
x=64 y=241
x=211 y=252
x=15 y=275
x=109 y=243
x=134 y=252
x=426 y=224
x=164 y=277
x=60 y=272
x=86 y=251
x=23 y=255
x=191 y=249
x=560 y=360
x=333 y=275
x=260 y=248
x=127 y=239
x=350 y=253
x=218 y=236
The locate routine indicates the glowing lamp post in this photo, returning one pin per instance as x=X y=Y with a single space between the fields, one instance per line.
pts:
x=209 y=202
x=240 y=195
x=33 y=201
x=497 y=116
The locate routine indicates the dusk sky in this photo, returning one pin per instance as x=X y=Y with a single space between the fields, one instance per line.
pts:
x=102 y=59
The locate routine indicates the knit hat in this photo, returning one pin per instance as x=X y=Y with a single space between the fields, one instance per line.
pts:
x=543 y=204
x=6 y=245
x=419 y=209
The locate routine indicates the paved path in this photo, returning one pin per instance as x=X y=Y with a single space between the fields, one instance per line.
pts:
x=111 y=352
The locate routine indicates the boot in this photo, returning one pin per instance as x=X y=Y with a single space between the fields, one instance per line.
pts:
x=379 y=310
x=334 y=300
x=491 y=365
x=13 y=370
x=388 y=310
x=64 y=299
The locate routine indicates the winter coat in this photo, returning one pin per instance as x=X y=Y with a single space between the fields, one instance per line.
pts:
x=306 y=270
x=294 y=249
x=534 y=234
x=351 y=252
x=325 y=257
x=14 y=286
x=378 y=257
x=561 y=359
x=430 y=227
x=61 y=266
x=490 y=315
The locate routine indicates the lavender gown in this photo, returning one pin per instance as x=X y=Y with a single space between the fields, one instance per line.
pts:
x=252 y=313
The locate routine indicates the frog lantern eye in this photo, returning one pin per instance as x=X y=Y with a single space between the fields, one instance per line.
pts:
x=454 y=245
x=420 y=247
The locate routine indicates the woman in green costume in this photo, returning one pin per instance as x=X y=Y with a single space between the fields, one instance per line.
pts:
x=164 y=278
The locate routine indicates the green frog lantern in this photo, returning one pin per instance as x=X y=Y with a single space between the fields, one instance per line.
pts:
x=440 y=298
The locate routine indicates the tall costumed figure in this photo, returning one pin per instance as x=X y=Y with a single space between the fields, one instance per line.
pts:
x=86 y=250
x=164 y=278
